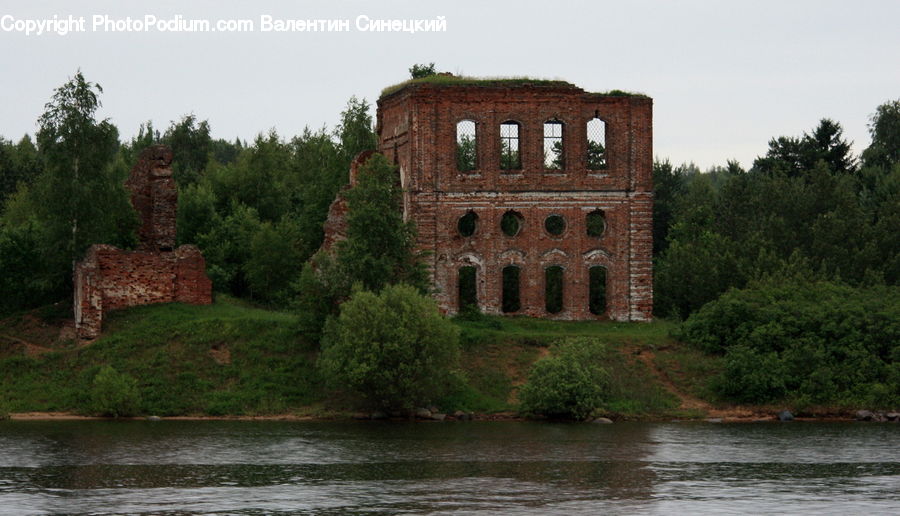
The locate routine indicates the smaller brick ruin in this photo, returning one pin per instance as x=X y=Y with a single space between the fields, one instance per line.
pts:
x=110 y=278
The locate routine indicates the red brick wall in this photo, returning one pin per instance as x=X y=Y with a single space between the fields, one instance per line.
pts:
x=109 y=278
x=417 y=128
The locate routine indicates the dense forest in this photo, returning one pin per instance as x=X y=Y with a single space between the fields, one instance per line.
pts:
x=810 y=229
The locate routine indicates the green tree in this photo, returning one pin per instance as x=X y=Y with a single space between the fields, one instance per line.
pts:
x=380 y=245
x=393 y=350
x=465 y=153
x=196 y=211
x=884 y=127
x=509 y=157
x=668 y=186
x=795 y=156
x=379 y=249
x=319 y=173
x=355 y=132
x=114 y=394
x=274 y=257
x=322 y=286
x=79 y=199
x=19 y=165
x=570 y=383
x=191 y=145
x=596 y=155
x=258 y=178
x=147 y=136
x=25 y=281
x=418 y=71
x=227 y=248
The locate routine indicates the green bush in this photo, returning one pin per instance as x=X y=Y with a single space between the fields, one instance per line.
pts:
x=568 y=384
x=114 y=394
x=814 y=343
x=751 y=375
x=394 y=350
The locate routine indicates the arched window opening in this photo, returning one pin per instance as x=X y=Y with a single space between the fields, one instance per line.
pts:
x=596 y=223
x=511 y=223
x=554 y=157
x=553 y=289
x=466 y=148
x=510 y=157
x=467 y=224
x=597 y=290
x=596 y=144
x=468 y=288
x=511 y=301
x=555 y=225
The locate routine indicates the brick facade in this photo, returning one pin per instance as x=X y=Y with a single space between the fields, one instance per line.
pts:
x=417 y=128
x=109 y=278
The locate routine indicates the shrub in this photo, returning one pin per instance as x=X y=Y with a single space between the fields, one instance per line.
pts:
x=394 y=350
x=568 y=384
x=816 y=343
x=751 y=376
x=114 y=394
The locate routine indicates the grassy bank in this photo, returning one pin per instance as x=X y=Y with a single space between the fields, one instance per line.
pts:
x=234 y=359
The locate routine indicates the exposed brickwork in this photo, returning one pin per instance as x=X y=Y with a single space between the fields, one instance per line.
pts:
x=109 y=278
x=155 y=198
x=417 y=129
x=335 y=226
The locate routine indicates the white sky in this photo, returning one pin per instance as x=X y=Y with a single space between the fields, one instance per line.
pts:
x=725 y=76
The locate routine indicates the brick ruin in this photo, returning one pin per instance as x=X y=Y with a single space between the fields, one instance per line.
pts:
x=109 y=278
x=533 y=198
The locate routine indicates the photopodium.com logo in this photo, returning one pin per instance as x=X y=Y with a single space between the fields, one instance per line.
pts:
x=64 y=25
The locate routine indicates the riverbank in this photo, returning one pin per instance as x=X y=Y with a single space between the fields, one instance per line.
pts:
x=231 y=360
x=718 y=416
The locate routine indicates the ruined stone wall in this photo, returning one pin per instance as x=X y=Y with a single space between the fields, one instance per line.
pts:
x=154 y=197
x=417 y=128
x=109 y=278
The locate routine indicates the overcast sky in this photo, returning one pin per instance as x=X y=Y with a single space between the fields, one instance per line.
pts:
x=725 y=76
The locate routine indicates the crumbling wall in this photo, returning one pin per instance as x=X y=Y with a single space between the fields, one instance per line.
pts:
x=154 y=197
x=109 y=278
x=335 y=226
x=417 y=129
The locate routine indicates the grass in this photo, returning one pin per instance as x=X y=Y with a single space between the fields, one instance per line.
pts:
x=690 y=370
x=226 y=358
x=499 y=351
x=460 y=80
x=230 y=358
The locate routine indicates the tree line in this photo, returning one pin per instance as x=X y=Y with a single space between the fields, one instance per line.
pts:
x=255 y=209
x=807 y=208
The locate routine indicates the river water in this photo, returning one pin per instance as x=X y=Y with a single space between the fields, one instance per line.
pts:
x=243 y=467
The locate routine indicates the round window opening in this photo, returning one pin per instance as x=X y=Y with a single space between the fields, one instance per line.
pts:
x=555 y=225
x=467 y=224
x=596 y=223
x=511 y=223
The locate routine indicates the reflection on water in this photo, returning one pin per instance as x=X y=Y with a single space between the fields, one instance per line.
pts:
x=179 y=467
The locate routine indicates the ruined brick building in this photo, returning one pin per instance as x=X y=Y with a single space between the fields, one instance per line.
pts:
x=533 y=197
x=109 y=278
